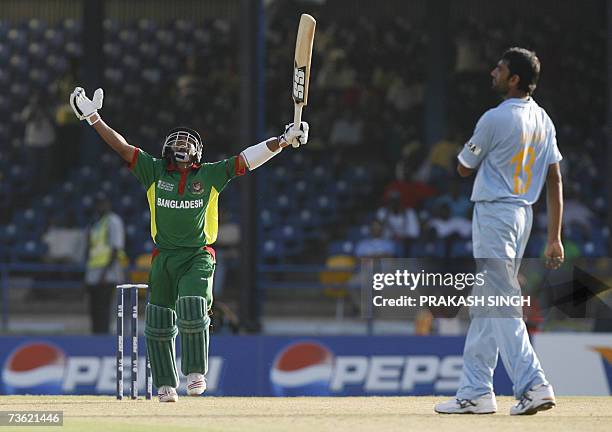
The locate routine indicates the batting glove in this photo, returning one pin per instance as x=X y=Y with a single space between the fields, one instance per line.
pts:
x=85 y=108
x=296 y=136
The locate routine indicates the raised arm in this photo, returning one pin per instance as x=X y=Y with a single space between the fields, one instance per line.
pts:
x=258 y=154
x=87 y=109
x=554 y=194
x=114 y=139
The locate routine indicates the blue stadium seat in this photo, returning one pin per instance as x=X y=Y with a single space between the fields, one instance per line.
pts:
x=272 y=250
x=53 y=38
x=307 y=219
x=283 y=203
x=169 y=62
x=319 y=175
x=343 y=247
x=356 y=233
x=72 y=27
x=8 y=234
x=113 y=52
x=147 y=27
x=4 y=54
x=128 y=38
x=202 y=37
x=148 y=51
x=57 y=64
x=4 y=28
x=19 y=64
x=461 y=249
x=30 y=250
x=152 y=75
x=165 y=38
x=36 y=28
x=17 y=39
x=325 y=207
x=428 y=249
x=302 y=189
x=184 y=27
x=37 y=51
x=268 y=219
x=4 y=130
x=111 y=26
x=73 y=49
x=39 y=77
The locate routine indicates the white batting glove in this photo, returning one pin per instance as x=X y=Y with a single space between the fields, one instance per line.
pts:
x=86 y=108
x=296 y=136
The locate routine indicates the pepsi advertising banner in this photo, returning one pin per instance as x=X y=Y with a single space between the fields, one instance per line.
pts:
x=251 y=366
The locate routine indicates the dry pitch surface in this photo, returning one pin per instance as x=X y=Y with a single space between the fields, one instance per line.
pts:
x=313 y=414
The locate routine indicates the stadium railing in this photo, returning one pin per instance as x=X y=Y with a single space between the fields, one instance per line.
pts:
x=271 y=277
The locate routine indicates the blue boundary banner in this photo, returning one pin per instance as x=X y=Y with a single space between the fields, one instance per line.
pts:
x=251 y=366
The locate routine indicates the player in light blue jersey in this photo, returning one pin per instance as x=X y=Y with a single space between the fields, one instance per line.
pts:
x=514 y=151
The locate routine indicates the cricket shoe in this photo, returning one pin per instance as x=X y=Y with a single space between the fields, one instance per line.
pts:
x=196 y=384
x=538 y=398
x=167 y=394
x=483 y=405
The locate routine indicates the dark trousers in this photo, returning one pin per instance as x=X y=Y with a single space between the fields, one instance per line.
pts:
x=100 y=298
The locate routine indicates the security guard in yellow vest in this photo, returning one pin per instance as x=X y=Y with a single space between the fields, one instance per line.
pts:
x=106 y=241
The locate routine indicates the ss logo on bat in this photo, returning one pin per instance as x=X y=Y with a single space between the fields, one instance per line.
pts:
x=299 y=74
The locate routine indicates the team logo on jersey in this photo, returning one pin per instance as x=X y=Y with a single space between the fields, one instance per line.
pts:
x=196 y=188
x=474 y=148
x=168 y=187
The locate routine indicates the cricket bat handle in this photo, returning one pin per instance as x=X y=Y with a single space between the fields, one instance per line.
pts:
x=297 y=115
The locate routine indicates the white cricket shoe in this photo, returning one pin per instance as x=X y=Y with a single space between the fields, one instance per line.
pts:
x=483 y=405
x=196 y=384
x=538 y=398
x=167 y=394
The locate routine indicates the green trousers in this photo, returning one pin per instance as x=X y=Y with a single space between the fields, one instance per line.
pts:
x=187 y=275
x=180 y=273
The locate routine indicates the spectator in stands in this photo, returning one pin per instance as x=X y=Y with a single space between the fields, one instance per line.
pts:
x=105 y=262
x=190 y=87
x=38 y=141
x=375 y=246
x=68 y=129
x=399 y=224
x=228 y=243
x=576 y=214
x=442 y=158
x=457 y=202
x=408 y=161
x=346 y=131
x=446 y=226
x=65 y=244
x=412 y=190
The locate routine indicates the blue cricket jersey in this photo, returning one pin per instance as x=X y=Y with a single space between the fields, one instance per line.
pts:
x=512 y=146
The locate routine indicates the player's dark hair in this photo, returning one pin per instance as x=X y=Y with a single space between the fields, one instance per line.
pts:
x=526 y=65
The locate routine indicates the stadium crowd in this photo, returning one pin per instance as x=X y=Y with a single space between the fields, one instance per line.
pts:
x=367 y=175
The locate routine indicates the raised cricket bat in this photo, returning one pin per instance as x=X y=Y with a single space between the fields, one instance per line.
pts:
x=301 y=66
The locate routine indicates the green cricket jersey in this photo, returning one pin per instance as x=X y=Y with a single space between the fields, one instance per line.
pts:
x=183 y=204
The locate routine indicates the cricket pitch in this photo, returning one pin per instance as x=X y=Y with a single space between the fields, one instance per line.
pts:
x=308 y=414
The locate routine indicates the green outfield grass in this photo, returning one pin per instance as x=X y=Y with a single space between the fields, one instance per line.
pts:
x=312 y=414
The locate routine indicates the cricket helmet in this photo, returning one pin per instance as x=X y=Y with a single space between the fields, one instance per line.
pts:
x=183 y=144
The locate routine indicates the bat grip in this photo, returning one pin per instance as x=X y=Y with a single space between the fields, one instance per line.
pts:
x=297 y=115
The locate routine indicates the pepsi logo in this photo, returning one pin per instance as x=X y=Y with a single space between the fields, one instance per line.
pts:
x=34 y=368
x=302 y=369
x=606 y=356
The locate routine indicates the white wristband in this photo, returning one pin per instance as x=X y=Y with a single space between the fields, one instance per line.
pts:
x=93 y=118
x=258 y=154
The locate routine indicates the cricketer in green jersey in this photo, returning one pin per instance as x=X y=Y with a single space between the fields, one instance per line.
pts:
x=183 y=193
